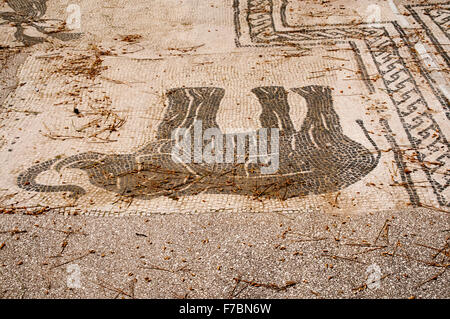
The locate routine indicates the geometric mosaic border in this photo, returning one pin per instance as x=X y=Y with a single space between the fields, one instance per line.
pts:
x=440 y=16
x=262 y=27
x=434 y=19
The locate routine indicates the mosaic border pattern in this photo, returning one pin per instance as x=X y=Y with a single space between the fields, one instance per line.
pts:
x=400 y=84
x=441 y=18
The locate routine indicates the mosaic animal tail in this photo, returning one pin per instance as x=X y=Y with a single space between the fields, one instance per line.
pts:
x=318 y=158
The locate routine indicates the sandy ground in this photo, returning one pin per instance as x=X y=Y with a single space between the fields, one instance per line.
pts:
x=226 y=256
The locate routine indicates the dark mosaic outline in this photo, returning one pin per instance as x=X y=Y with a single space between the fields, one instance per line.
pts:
x=440 y=23
x=389 y=62
x=398 y=156
x=362 y=68
x=390 y=65
x=440 y=49
x=317 y=159
x=423 y=71
x=28 y=13
x=413 y=10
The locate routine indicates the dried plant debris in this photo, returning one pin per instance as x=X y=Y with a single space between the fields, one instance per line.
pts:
x=96 y=123
x=87 y=65
x=131 y=38
x=92 y=114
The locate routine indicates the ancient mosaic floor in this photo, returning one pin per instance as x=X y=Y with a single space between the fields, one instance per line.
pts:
x=358 y=89
x=112 y=97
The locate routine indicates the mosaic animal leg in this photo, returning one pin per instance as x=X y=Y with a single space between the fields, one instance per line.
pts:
x=321 y=120
x=336 y=159
x=275 y=108
x=275 y=114
x=187 y=108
